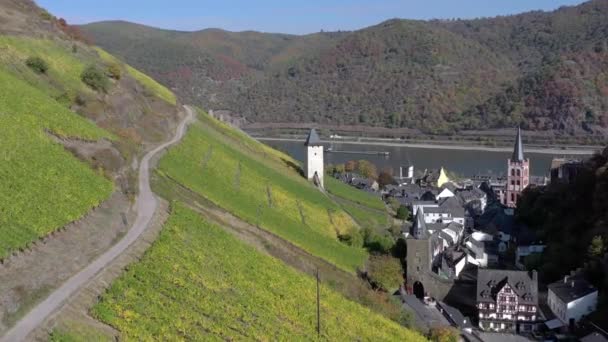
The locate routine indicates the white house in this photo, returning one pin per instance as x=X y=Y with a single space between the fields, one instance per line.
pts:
x=423 y=205
x=481 y=249
x=572 y=298
x=314 y=166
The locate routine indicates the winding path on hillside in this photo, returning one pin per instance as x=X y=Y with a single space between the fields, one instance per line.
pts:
x=146 y=204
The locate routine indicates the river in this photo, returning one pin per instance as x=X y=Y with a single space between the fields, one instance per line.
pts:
x=465 y=163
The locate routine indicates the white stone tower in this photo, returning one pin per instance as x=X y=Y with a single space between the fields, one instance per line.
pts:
x=314 y=167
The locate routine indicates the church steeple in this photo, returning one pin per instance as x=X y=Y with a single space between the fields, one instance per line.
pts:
x=518 y=150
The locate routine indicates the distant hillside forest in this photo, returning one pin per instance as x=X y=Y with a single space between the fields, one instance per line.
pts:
x=547 y=71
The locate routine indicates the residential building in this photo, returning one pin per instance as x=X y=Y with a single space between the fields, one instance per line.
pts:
x=434 y=178
x=482 y=249
x=507 y=301
x=314 y=167
x=518 y=176
x=565 y=170
x=572 y=298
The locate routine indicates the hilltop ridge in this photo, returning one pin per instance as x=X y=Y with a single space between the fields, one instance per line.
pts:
x=543 y=70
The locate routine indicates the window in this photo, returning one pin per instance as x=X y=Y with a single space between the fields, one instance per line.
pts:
x=522 y=308
x=507 y=290
x=511 y=299
x=512 y=172
x=511 y=307
x=518 y=182
x=513 y=182
x=492 y=306
x=503 y=307
x=518 y=173
x=512 y=197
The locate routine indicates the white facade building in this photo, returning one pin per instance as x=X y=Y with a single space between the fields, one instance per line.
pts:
x=572 y=298
x=314 y=166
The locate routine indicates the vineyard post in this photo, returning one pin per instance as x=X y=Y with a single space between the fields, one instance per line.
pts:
x=318 y=306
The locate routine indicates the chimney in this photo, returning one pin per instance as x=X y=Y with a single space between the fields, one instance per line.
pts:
x=535 y=275
x=410 y=171
x=401 y=172
x=565 y=279
x=572 y=283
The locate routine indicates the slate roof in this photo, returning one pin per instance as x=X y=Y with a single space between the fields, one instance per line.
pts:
x=419 y=230
x=313 y=139
x=524 y=284
x=574 y=288
x=518 y=149
x=453 y=206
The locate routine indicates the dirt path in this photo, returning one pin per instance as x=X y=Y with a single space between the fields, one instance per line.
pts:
x=146 y=204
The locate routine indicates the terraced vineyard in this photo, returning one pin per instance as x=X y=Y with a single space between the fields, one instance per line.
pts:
x=260 y=186
x=198 y=282
x=42 y=187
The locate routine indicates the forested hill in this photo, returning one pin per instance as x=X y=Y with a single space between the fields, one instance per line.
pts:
x=545 y=70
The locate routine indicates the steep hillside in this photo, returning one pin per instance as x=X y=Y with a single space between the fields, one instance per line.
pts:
x=68 y=140
x=258 y=185
x=198 y=282
x=544 y=70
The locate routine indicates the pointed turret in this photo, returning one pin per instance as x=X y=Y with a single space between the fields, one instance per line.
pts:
x=419 y=227
x=313 y=139
x=518 y=150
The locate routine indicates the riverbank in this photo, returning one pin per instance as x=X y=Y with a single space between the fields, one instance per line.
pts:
x=558 y=150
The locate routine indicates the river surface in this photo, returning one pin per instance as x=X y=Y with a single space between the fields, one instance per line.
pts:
x=461 y=162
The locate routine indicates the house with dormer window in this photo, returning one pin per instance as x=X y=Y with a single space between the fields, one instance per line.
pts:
x=507 y=301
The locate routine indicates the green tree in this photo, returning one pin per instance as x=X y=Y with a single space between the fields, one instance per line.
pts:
x=367 y=169
x=95 y=78
x=385 y=272
x=403 y=213
x=597 y=248
x=37 y=64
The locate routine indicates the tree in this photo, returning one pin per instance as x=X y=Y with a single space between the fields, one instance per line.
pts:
x=443 y=334
x=95 y=78
x=352 y=238
x=385 y=178
x=37 y=64
x=385 y=272
x=350 y=166
x=597 y=248
x=403 y=213
x=367 y=169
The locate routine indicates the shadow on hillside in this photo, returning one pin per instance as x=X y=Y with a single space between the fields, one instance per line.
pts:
x=293 y=166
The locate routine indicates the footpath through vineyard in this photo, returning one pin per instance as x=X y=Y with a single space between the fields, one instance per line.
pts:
x=147 y=206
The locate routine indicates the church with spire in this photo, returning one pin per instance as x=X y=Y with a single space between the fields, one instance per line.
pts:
x=518 y=173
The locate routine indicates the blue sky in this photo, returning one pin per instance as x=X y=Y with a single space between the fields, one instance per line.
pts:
x=285 y=16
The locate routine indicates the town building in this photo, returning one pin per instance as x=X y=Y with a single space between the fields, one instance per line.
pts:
x=314 y=166
x=507 y=301
x=434 y=178
x=565 y=170
x=518 y=176
x=572 y=298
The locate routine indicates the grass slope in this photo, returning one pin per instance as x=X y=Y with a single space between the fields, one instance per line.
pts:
x=198 y=282
x=154 y=87
x=337 y=188
x=42 y=186
x=256 y=184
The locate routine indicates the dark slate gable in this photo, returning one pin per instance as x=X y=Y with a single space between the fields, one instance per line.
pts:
x=518 y=149
x=313 y=139
x=490 y=282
